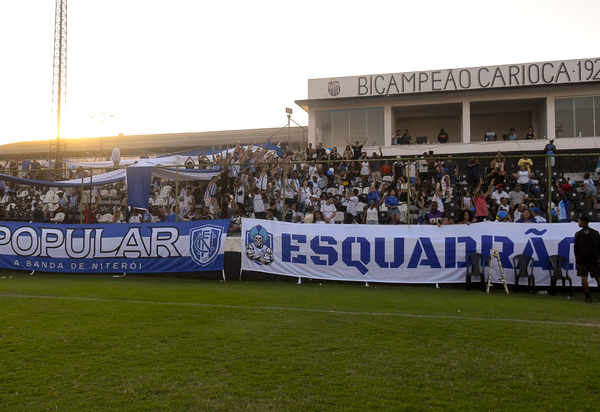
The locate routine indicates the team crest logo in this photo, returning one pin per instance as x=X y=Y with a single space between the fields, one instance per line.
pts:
x=205 y=243
x=259 y=245
x=333 y=87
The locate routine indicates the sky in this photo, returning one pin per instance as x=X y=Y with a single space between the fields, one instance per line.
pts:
x=195 y=66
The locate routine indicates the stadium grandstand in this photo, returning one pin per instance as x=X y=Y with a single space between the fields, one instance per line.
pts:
x=506 y=143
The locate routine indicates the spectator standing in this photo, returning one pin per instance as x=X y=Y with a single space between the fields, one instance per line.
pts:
x=396 y=137
x=386 y=169
x=527 y=161
x=587 y=251
x=452 y=167
x=563 y=204
x=357 y=148
x=479 y=201
x=398 y=168
x=472 y=173
x=352 y=206
x=590 y=189
x=391 y=202
x=375 y=166
x=424 y=178
x=523 y=177
x=371 y=215
x=550 y=149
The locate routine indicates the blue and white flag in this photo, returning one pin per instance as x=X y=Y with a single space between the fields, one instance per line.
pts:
x=114 y=248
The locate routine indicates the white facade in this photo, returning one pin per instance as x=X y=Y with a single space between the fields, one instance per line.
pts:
x=463 y=102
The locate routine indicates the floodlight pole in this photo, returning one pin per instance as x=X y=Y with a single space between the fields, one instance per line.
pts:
x=58 y=147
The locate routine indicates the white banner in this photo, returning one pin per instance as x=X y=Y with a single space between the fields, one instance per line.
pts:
x=401 y=254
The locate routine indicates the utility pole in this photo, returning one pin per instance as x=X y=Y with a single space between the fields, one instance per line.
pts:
x=289 y=116
x=58 y=146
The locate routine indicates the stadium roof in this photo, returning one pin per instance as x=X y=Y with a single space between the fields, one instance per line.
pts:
x=158 y=144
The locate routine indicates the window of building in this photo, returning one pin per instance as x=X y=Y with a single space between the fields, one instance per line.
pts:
x=577 y=116
x=334 y=127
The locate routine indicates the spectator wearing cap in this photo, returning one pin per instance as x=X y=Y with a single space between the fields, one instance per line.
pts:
x=502 y=216
x=499 y=194
x=535 y=212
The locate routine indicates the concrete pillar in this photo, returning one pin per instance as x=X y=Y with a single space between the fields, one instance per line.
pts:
x=388 y=125
x=550 y=119
x=311 y=126
x=466 y=122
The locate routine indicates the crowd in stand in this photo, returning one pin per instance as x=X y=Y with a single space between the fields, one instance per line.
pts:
x=321 y=186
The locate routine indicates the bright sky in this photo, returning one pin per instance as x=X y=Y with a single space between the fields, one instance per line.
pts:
x=194 y=66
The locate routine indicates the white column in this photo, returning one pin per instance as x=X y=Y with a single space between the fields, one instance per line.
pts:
x=311 y=126
x=388 y=122
x=466 y=122
x=550 y=119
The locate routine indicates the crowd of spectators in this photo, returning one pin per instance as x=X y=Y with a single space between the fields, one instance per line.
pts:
x=318 y=185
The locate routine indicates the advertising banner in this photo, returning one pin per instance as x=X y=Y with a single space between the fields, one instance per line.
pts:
x=114 y=248
x=401 y=254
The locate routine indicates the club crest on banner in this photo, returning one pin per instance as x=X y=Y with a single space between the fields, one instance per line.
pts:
x=205 y=243
x=259 y=245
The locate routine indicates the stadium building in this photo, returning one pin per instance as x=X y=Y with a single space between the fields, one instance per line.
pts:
x=558 y=99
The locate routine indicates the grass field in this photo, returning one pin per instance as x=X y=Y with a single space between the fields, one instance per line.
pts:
x=154 y=344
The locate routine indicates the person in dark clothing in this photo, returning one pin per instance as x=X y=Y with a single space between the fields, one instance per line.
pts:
x=357 y=148
x=587 y=251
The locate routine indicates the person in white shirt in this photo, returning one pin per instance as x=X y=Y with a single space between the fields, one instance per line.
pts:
x=499 y=194
x=329 y=210
x=352 y=202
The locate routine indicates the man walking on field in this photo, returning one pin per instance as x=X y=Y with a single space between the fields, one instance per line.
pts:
x=587 y=251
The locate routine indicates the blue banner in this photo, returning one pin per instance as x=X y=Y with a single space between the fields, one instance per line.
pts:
x=114 y=248
x=139 y=180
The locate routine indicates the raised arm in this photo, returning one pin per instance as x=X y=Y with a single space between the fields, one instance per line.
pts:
x=489 y=191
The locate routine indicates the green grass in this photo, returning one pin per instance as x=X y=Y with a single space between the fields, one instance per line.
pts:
x=72 y=342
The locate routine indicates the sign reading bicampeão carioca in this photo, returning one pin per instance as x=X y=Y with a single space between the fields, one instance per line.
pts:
x=513 y=75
